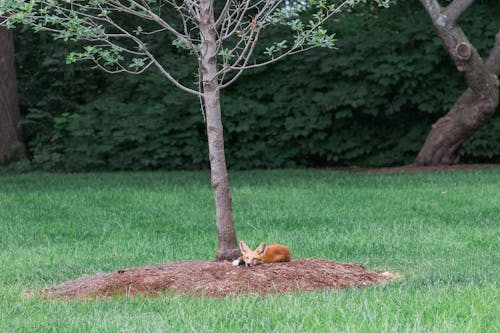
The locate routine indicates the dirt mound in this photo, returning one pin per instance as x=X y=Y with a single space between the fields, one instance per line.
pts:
x=218 y=279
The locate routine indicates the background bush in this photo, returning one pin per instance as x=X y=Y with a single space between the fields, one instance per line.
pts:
x=369 y=103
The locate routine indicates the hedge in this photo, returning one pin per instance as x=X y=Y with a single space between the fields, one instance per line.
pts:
x=369 y=103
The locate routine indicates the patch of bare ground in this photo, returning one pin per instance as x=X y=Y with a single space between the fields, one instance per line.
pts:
x=420 y=168
x=219 y=279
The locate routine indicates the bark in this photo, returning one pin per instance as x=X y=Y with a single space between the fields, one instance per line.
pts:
x=477 y=104
x=227 y=247
x=10 y=135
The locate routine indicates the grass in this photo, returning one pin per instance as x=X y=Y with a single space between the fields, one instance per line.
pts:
x=439 y=230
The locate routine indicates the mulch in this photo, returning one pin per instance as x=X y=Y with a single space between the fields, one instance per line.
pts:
x=418 y=168
x=219 y=279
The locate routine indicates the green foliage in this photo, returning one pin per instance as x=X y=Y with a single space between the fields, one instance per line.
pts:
x=115 y=40
x=371 y=102
x=101 y=137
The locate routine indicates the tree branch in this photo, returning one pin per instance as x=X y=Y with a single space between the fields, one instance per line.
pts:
x=447 y=16
x=150 y=15
x=153 y=59
x=454 y=10
x=296 y=48
x=463 y=53
x=493 y=61
x=433 y=8
x=120 y=68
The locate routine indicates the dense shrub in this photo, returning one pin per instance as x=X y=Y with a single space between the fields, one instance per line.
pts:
x=371 y=102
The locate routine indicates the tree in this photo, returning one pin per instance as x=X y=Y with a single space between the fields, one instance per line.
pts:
x=10 y=135
x=222 y=39
x=478 y=103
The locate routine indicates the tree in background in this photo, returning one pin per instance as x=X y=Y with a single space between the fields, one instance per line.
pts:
x=222 y=40
x=478 y=103
x=11 y=147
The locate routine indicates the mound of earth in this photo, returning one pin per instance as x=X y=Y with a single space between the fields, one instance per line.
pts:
x=219 y=279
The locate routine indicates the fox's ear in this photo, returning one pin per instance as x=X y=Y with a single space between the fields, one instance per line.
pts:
x=244 y=247
x=261 y=249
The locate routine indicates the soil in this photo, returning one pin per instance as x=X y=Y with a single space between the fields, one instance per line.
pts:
x=219 y=279
x=418 y=168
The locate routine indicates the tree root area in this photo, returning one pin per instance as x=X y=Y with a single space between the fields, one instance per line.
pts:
x=219 y=279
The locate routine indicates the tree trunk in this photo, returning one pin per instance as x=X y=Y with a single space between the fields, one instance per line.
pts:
x=477 y=104
x=10 y=135
x=227 y=245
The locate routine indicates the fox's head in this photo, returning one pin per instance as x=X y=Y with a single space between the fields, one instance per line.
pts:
x=252 y=258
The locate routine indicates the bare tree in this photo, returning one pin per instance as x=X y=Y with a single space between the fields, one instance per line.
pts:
x=478 y=103
x=11 y=147
x=223 y=40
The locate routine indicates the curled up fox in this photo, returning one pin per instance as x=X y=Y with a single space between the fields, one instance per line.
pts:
x=263 y=254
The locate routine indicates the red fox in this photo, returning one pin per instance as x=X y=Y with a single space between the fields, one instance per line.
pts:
x=263 y=254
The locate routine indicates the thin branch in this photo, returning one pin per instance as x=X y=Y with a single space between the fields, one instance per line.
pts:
x=143 y=47
x=185 y=19
x=152 y=16
x=3 y=19
x=153 y=32
x=249 y=34
x=273 y=60
x=226 y=32
x=193 y=7
x=244 y=66
x=293 y=50
x=223 y=13
x=121 y=68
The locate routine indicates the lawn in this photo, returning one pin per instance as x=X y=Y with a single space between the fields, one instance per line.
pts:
x=440 y=231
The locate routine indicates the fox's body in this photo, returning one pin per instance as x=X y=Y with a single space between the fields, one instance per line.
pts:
x=263 y=254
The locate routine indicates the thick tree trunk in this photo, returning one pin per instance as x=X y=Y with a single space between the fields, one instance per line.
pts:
x=227 y=245
x=477 y=104
x=10 y=135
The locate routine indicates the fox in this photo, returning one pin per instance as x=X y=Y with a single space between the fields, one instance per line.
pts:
x=263 y=254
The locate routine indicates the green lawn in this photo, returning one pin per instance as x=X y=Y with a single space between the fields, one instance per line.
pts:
x=441 y=231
